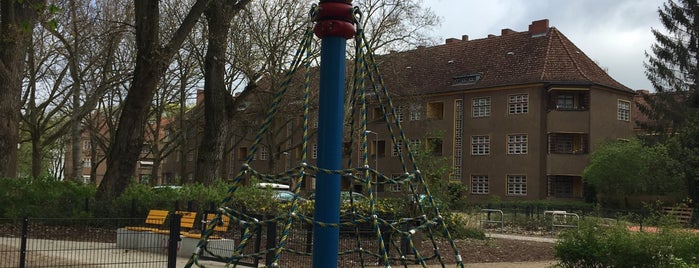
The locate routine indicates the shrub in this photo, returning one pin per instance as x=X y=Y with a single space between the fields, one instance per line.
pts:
x=459 y=227
x=44 y=197
x=594 y=245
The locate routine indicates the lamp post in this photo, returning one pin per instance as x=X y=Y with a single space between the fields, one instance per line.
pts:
x=376 y=158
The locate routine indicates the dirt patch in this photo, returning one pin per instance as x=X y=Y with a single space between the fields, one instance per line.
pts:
x=493 y=250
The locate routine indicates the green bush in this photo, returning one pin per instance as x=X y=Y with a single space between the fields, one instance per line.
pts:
x=458 y=227
x=595 y=245
x=44 y=198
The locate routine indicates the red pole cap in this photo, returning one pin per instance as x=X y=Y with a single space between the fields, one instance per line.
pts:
x=335 y=18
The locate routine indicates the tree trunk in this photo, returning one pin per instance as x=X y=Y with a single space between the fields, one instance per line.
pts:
x=212 y=145
x=151 y=63
x=17 y=18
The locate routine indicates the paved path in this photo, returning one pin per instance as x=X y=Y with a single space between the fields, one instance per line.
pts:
x=522 y=237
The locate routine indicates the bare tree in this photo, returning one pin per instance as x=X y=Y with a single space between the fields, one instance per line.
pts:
x=396 y=24
x=152 y=59
x=219 y=104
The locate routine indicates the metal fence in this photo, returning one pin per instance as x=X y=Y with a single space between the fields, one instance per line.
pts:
x=536 y=217
x=61 y=242
x=41 y=242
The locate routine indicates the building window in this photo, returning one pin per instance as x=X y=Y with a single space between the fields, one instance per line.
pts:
x=396 y=185
x=87 y=162
x=517 y=144
x=415 y=113
x=565 y=102
x=87 y=145
x=516 y=185
x=378 y=147
x=414 y=144
x=242 y=153
x=264 y=153
x=623 y=110
x=568 y=143
x=397 y=148
x=434 y=146
x=518 y=104
x=481 y=107
x=399 y=113
x=479 y=184
x=435 y=110
x=569 y=100
x=480 y=145
x=314 y=151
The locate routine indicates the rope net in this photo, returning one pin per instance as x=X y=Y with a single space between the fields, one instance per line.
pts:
x=367 y=237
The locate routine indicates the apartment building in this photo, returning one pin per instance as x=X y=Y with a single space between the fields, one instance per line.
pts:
x=518 y=113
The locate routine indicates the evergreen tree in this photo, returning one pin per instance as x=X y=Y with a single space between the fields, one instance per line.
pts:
x=672 y=68
x=673 y=71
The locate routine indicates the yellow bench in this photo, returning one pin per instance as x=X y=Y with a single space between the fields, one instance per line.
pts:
x=155 y=218
x=187 y=221
x=223 y=227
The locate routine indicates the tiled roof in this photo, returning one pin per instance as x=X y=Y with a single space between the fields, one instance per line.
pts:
x=513 y=58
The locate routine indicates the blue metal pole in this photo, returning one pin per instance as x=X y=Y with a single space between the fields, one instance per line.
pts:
x=330 y=121
x=334 y=25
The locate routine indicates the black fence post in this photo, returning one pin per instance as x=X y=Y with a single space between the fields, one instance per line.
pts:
x=23 y=243
x=271 y=242
x=173 y=240
x=258 y=242
x=309 y=238
x=133 y=208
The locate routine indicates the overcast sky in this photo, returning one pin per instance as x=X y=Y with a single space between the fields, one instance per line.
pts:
x=615 y=33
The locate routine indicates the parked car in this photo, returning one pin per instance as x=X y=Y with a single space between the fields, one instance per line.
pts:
x=345 y=197
x=285 y=196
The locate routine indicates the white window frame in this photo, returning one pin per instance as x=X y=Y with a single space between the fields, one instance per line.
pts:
x=518 y=103
x=480 y=145
x=623 y=110
x=480 y=184
x=517 y=144
x=517 y=185
x=480 y=107
x=395 y=187
x=399 y=113
x=415 y=114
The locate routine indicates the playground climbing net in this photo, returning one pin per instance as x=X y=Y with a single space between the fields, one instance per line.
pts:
x=426 y=222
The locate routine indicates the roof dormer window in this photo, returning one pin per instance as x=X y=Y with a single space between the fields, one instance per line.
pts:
x=469 y=79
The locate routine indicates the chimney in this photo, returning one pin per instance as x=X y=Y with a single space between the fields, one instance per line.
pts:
x=539 y=27
x=506 y=31
x=451 y=40
x=200 y=96
x=491 y=35
x=464 y=37
x=643 y=92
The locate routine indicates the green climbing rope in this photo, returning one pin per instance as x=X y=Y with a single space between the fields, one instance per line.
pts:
x=365 y=72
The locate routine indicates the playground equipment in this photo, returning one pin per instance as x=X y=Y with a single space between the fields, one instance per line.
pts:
x=334 y=24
